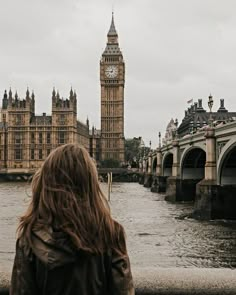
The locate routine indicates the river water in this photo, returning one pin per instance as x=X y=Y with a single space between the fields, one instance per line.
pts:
x=157 y=233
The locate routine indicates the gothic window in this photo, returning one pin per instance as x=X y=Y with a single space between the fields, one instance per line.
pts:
x=18 y=138
x=32 y=137
x=32 y=154
x=48 y=137
x=62 y=119
x=18 y=154
x=40 y=154
x=40 y=137
x=61 y=137
x=18 y=119
x=48 y=151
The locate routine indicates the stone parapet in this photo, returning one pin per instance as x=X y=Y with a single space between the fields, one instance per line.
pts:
x=172 y=281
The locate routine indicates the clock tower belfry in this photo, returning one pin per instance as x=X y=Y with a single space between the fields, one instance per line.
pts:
x=112 y=78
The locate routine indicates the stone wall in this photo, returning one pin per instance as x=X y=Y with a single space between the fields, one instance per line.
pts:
x=172 y=281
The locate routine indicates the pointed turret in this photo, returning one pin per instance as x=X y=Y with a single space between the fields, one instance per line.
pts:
x=27 y=94
x=71 y=93
x=112 y=30
x=10 y=93
x=10 y=97
x=58 y=95
x=112 y=47
x=53 y=92
x=5 y=100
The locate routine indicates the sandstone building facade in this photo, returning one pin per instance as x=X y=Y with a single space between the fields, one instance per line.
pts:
x=26 y=139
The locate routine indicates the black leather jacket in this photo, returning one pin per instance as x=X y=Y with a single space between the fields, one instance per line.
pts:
x=52 y=267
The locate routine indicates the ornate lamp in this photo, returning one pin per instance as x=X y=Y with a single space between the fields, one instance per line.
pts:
x=210 y=105
x=159 y=136
x=176 y=125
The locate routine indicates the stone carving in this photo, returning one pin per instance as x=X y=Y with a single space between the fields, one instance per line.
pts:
x=220 y=146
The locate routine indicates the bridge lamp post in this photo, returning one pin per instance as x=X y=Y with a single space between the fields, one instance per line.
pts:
x=159 y=136
x=176 y=125
x=210 y=105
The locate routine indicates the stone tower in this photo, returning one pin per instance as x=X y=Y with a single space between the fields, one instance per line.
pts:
x=64 y=118
x=112 y=78
x=18 y=118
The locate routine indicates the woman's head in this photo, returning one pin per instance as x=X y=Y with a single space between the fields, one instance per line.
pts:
x=68 y=168
x=66 y=196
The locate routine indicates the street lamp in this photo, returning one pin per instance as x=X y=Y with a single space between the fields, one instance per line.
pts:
x=159 y=136
x=150 y=143
x=210 y=105
x=176 y=125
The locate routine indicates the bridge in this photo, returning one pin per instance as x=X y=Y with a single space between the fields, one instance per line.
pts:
x=199 y=167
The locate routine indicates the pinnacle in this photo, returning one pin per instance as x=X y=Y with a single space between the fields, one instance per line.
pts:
x=112 y=30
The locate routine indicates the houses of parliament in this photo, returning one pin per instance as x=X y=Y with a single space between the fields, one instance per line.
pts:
x=26 y=139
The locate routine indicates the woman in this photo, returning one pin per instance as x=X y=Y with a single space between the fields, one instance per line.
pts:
x=68 y=243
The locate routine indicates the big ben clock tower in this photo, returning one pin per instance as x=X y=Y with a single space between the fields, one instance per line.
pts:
x=112 y=77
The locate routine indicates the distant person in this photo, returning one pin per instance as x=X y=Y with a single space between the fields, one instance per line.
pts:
x=68 y=243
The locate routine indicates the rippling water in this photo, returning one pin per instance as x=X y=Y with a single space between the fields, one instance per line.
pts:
x=157 y=235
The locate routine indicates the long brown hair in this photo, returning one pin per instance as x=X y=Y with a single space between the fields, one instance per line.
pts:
x=66 y=196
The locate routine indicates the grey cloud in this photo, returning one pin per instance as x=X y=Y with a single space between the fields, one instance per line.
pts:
x=174 y=51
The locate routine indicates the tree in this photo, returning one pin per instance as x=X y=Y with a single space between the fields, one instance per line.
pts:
x=133 y=151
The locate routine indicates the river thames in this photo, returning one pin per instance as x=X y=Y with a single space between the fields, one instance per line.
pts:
x=158 y=234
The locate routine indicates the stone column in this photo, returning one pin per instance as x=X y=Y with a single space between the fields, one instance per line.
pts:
x=173 y=187
x=175 y=166
x=210 y=166
x=148 y=173
x=159 y=162
x=141 y=170
x=140 y=166
x=208 y=202
x=159 y=181
x=149 y=163
x=144 y=165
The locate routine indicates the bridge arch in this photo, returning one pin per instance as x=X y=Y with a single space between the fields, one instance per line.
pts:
x=192 y=163
x=226 y=166
x=154 y=165
x=167 y=164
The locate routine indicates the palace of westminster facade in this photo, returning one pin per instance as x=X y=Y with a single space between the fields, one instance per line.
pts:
x=26 y=139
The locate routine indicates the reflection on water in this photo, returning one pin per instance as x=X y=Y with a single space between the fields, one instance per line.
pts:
x=156 y=235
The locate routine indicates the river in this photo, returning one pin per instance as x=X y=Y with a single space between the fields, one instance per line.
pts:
x=157 y=233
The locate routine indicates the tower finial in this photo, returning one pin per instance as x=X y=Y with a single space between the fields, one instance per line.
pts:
x=112 y=30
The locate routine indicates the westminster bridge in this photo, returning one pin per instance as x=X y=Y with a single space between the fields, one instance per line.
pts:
x=199 y=167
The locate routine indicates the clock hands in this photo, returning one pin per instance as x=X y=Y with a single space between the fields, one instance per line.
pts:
x=111 y=71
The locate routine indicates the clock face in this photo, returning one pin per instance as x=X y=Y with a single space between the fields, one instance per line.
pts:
x=111 y=71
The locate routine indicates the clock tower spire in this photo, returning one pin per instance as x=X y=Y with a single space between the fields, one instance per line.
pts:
x=112 y=34
x=112 y=79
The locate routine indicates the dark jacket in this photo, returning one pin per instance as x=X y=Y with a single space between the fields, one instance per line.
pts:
x=53 y=267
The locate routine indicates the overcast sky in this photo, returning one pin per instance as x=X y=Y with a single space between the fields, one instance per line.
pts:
x=173 y=50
